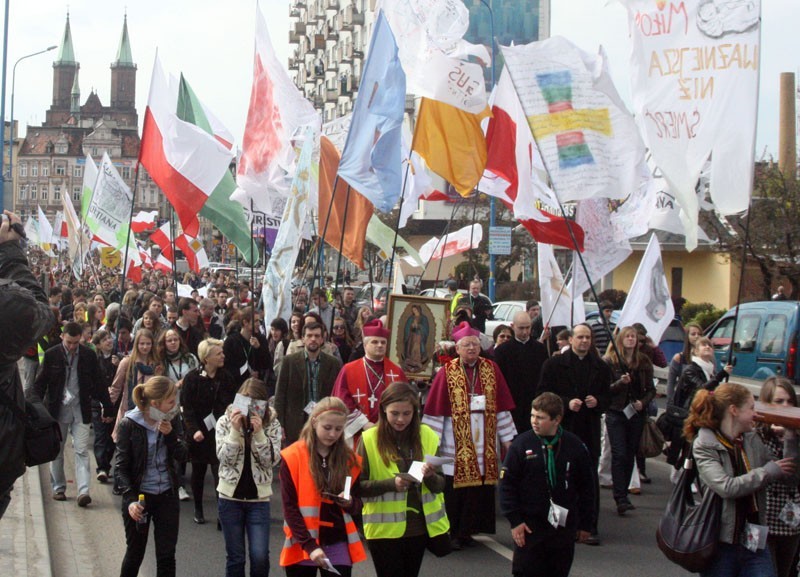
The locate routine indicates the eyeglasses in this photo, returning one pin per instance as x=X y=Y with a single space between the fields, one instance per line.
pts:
x=338 y=327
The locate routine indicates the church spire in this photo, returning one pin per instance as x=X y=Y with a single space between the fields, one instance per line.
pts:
x=75 y=100
x=66 y=54
x=124 y=56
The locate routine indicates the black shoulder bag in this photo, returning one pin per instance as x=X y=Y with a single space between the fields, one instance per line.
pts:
x=42 y=432
x=688 y=532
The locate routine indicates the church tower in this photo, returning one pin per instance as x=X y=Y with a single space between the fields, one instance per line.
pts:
x=65 y=68
x=123 y=82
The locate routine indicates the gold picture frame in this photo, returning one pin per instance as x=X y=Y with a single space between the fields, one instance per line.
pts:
x=417 y=324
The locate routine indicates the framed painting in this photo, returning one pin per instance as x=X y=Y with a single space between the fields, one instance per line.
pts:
x=417 y=324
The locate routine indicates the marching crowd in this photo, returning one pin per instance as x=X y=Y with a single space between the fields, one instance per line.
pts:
x=364 y=455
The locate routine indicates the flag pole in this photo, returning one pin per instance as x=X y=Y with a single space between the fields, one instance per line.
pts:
x=320 y=266
x=252 y=269
x=741 y=284
x=399 y=213
x=341 y=248
x=444 y=233
x=558 y=297
x=172 y=242
x=472 y=234
x=371 y=278
x=127 y=239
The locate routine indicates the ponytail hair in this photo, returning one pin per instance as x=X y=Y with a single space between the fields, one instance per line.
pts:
x=153 y=389
x=709 y=407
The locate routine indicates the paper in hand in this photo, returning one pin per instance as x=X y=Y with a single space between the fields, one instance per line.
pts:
x=438 y=461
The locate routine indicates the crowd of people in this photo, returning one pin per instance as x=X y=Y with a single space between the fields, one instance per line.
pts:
x=365 y=456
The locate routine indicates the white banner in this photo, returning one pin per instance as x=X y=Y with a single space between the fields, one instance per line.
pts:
x=558 y=309
x=588 y=140
x=109 y=210
x=433 y=52
x=694 y=77
x=277 y=294
x=648 y=301
x=451 y=244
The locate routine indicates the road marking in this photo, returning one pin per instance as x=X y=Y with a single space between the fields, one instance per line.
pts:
x=490 y=543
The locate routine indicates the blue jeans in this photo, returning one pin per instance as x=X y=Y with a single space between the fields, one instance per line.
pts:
x=737 y=561
x=624 y=435
x=238 y=517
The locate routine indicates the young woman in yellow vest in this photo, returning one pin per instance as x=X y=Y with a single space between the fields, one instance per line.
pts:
x=319 y=529
x=400 y=516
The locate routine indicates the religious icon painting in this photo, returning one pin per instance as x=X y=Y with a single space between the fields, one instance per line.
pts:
x=417 y=324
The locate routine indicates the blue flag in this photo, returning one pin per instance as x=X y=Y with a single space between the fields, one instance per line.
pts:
x=372 y=159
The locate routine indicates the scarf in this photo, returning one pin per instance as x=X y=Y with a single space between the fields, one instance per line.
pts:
x=550 y=455
x=707 y=366
x=747 y=505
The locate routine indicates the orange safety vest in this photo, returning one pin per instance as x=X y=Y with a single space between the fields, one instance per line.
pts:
x=309 y=500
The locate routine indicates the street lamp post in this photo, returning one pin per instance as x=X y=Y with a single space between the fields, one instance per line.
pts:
x=11 y=123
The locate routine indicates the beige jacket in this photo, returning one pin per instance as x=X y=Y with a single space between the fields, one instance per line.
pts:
x=716 y=471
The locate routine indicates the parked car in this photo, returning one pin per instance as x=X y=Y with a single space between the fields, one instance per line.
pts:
x=765 y=343
x=503 y=313
x=372 y=295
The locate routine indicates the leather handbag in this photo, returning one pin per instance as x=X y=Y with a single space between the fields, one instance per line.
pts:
x=652 y=441
x=42 y=431
x=688 y=533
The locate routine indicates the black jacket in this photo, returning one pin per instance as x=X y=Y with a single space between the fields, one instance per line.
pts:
x=692 y=379
x=131 y=457
x=26 y=317
x=560 y=375
x=238 y=352
x=521 y=365
x=525 y=493
x=201 y=396
x=51 y=380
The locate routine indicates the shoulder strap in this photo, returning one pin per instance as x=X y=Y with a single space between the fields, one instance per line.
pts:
x=19 y=413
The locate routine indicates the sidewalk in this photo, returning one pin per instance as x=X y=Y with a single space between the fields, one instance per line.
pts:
x=24 y=548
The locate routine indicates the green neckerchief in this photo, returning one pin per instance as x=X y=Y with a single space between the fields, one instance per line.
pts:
x=550 y=455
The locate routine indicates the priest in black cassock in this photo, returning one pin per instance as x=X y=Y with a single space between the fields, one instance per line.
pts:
x=520 y=360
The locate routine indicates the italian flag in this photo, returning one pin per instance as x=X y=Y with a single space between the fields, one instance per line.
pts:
x=184 y=161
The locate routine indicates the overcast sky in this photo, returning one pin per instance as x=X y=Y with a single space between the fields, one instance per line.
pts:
x=211 y=42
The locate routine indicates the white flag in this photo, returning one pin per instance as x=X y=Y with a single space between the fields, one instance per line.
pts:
x=451 y=244
x=109 y=211
x=694 y=79
x=649 y=301
x=276 y=294
x=433 y=52
x=277 y=114
x=32 y=230
x=588 y=140
x=45 y=230
x=558 y=308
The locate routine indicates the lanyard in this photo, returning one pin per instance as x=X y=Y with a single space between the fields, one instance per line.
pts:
x=177 y=372
x=70 y=364
x=312 y=371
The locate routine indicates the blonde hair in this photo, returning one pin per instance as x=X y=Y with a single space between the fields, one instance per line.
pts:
x=341 y=458
x=153 y=389
x=204 y=348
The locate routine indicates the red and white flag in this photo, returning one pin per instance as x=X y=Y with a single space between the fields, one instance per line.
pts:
x=180 y=157
x=163 y=239
x=163 y=264
x=144 y=221
x=451 y=244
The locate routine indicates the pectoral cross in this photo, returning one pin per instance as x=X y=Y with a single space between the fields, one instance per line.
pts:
x=357 y=396
x=372 y=400
x=392 y=376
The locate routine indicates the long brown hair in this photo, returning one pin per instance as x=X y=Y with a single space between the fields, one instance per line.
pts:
x=341 y=458
x=398 y=392
x=134 y=358
x=687 y=346
x=639 y=361
x=709 y=407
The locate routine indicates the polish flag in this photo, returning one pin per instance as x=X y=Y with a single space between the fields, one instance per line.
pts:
x=193 y=250
x=161 y=237
x=144 y=221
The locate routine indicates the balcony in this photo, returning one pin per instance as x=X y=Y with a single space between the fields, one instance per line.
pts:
x=300 y=3
x=318 y=42
x=347 y=54
x=297 y=32
x=318 y=101
x=331 y=95
x=410 y=108
x=294 y=63
x=351 y=17
x=332 y=34
x=332 y=5
x=332 y=66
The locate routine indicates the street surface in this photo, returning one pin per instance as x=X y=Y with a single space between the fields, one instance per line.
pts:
x=91 y=542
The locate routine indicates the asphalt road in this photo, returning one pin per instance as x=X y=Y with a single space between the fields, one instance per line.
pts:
x=91 y=542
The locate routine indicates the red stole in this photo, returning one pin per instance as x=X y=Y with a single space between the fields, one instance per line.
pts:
x=362 y=384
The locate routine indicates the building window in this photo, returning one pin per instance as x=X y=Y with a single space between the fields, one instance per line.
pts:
x=144 y=196
x=34 y=169
x=23 y=191
x=57 y=194
x=45 y=193
x=33 y=192
x=126 y=172
x=61 y=148
x=77 y=171
x=23 y=169
x=45 y=169
x=94 y=151
x=152 y=196
x=76 y=194
x=61 y=170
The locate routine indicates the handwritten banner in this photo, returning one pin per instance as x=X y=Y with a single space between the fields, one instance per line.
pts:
x=695 y=66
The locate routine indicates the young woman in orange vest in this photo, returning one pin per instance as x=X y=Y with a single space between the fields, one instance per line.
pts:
x=319 y=529
x=401 y=516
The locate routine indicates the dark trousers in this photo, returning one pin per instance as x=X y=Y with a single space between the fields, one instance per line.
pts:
x=198 y=480
x=624 y=435
x=783 y=549
x=398 y=557
x=163 y=513
x=311 y=571
x=103 y=443
x=5 y=500
x=541 y=559
x=471 y=510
